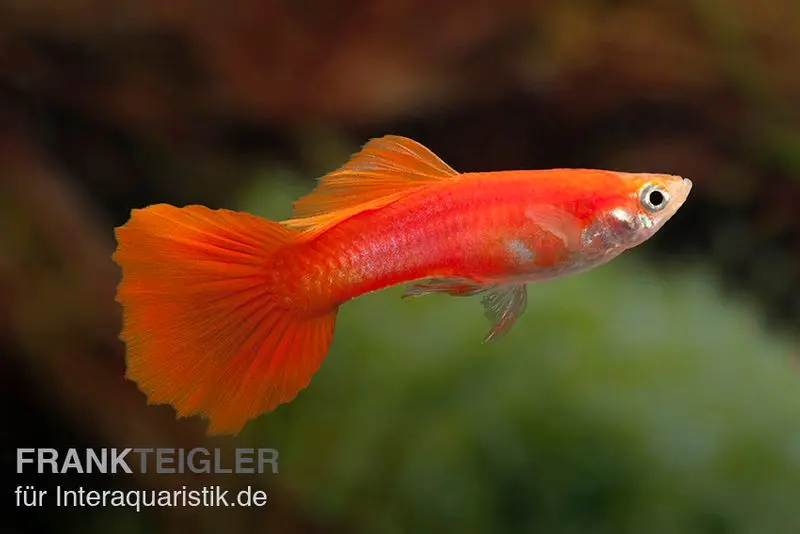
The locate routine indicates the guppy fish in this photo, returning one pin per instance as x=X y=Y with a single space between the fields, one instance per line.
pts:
x=228 y=315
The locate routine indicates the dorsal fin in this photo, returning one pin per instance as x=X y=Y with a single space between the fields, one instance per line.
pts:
x=385 y=170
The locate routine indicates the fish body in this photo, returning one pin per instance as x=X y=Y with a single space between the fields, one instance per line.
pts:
x=489 y=228
x=229 y=315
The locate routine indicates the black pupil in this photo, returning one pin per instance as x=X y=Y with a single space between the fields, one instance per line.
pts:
x=656 y=198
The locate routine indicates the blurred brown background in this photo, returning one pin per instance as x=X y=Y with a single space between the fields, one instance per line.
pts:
x=111 y=105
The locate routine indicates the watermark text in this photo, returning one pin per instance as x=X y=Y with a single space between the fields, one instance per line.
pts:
x=146 y=460
x=207 y=496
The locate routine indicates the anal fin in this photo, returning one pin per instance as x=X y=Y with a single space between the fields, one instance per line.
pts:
x=504 y=303
x=457 y=287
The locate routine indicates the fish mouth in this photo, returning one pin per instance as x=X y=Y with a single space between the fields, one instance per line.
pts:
x=680 y=190
x=684 y=187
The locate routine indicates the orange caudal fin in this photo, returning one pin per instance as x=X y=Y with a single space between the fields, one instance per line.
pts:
x=206 y=326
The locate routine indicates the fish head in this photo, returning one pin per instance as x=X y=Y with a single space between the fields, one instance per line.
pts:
x=656 y=198
x=648 y=202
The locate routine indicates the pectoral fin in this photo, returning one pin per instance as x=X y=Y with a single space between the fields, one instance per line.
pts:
x=557 y=222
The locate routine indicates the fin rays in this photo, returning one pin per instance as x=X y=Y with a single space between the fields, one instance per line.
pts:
x=204 y=325
x=385 y=170
x=503 y=303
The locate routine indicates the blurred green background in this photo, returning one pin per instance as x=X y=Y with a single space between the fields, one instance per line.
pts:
x=657 y=394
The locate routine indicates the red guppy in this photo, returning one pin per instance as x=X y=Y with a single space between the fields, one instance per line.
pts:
x=228 y=315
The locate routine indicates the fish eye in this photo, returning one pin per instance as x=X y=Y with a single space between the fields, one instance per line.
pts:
x=654 y=197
